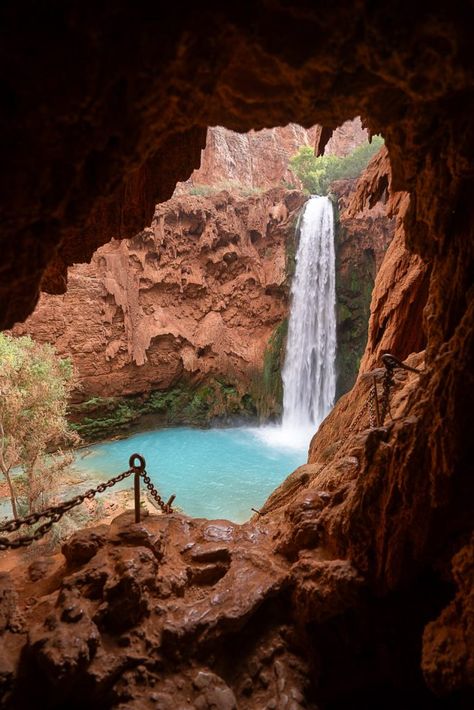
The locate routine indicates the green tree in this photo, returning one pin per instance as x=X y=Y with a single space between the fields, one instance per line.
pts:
x=34 y=389
x=317 y=174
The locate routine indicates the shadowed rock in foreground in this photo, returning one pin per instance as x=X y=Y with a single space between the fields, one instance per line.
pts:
x=177 y=612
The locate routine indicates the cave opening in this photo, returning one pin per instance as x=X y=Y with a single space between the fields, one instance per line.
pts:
x=186 y=324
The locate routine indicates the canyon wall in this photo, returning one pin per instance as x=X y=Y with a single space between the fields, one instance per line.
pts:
x=362 y=238
x=259 y=159
x=187 y=308
x=186 y=322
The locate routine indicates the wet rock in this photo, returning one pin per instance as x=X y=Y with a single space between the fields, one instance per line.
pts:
x=210 y=553
x=84 y=544
x=219 y=531
x=228 y=604
x=138 y=536
x=207 y=574
x=304 y=530
x=125 y=593
x=61 y=654
x=324 y=588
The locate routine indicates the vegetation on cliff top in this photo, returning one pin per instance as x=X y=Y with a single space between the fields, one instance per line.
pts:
x=317 y=173
x=34 y=389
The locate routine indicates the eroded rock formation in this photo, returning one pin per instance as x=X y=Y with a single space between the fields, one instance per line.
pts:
x=187 y=308
x=81 y=144
x=396 y=318
x=363 y=233
x=186 y=322
x=259 y=159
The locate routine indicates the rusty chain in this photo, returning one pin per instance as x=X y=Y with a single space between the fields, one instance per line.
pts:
x=55 y=512
x=390 y=363
x=357 y=419
x=165 y=507
x=372 y=398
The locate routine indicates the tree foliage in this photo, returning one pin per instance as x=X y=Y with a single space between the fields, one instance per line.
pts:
x=317 y=174
x=34 y=389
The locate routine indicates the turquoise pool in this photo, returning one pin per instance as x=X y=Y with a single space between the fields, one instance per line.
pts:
x=215 y=473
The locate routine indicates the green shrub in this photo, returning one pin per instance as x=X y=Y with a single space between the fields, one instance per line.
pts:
x=34 y=386
x=317 y=173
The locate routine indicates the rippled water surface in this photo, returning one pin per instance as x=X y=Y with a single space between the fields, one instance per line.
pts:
x=215 y=473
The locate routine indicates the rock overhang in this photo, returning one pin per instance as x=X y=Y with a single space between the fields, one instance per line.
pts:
x=88 y=153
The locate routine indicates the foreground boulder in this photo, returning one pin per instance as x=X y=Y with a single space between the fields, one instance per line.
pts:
x=301 y=607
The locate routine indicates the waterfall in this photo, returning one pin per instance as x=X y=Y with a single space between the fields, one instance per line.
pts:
x=309 y=377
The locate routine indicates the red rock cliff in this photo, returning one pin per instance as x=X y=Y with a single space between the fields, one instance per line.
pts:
x=259 y=159
x=194 y=297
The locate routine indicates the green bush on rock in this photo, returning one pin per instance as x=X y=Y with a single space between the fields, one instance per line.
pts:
x=267 y=385
x=191 y=404
x=317 y=173
x=34 y=389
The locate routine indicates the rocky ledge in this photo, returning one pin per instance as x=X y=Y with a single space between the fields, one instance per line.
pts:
x=178 y=613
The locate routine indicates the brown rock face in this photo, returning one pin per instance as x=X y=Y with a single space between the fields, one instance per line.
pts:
x=105 y=112
x=363 y=232
x=259 y=159
x=344 y=139
x=197 y=298
x=401 y=287
x=256 y=159
x=194 y=297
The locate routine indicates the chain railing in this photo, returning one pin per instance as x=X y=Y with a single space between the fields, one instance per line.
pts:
x=55 y=512
x=378 y=409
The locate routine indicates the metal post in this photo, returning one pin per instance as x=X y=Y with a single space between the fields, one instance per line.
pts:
x=137 y=497
x=138 y=471
x=170 y=502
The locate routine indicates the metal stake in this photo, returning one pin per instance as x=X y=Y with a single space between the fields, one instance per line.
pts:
x=137 y=496
x=138 y=470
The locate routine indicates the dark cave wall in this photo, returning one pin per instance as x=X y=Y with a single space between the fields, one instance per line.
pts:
x=127 y=143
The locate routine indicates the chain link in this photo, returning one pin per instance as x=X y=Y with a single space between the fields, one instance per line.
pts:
x=390 y=363
x=165 y=507
x=55 y=512
x=357 y=419
x=372 y=414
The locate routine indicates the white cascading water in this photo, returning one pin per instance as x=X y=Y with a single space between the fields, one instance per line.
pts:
x=309 y=373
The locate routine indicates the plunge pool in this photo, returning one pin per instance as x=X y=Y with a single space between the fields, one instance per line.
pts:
x=215 y=473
